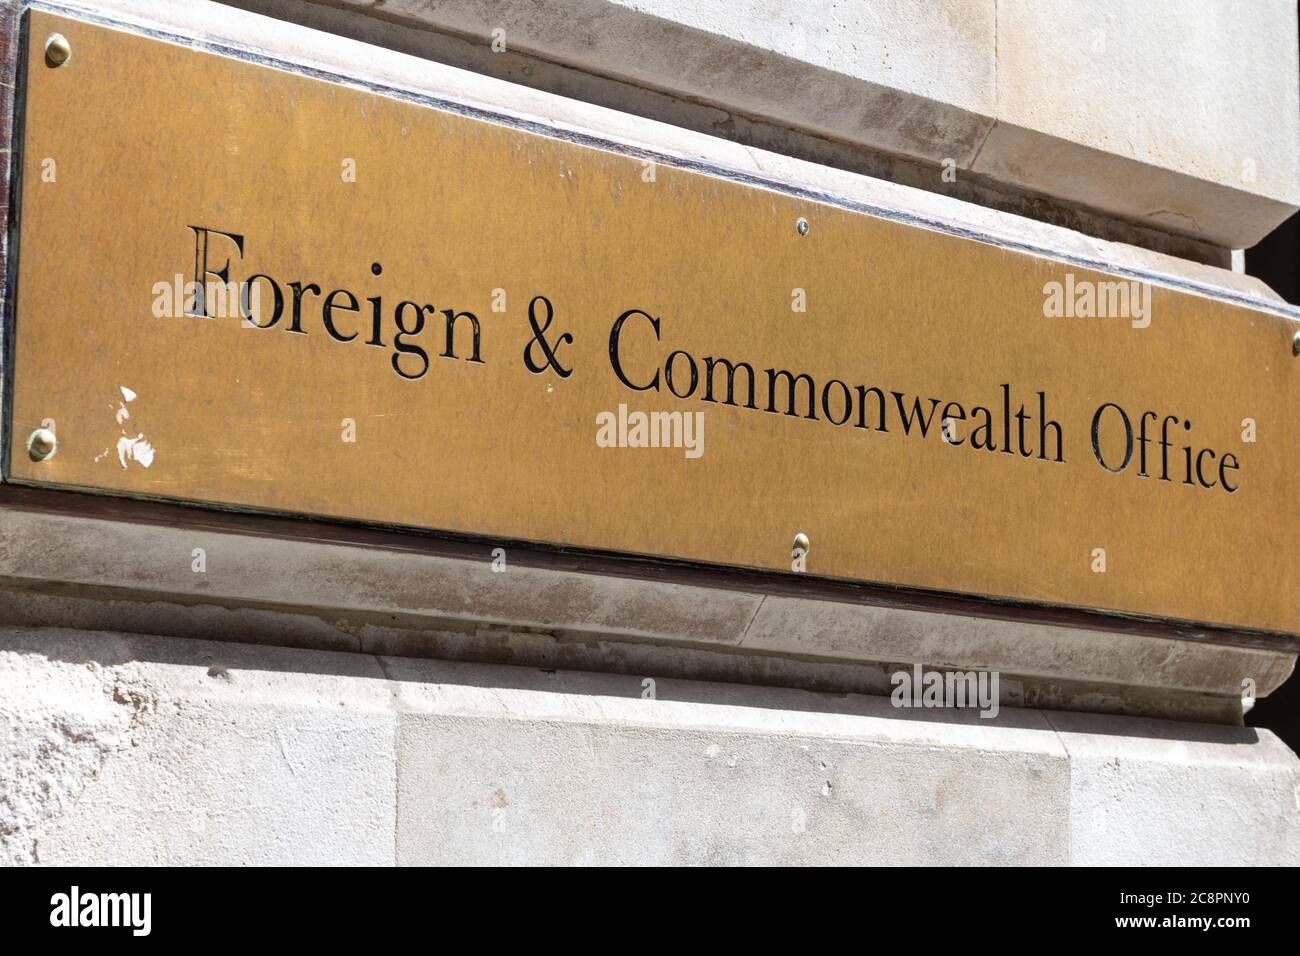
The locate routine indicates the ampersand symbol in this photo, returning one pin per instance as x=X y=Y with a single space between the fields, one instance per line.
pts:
x=539 y=339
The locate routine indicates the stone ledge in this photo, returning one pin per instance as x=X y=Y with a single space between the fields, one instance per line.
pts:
x=103 y=574
x=1213 y=153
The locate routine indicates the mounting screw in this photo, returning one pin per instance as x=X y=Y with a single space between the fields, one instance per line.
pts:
x=801 y=545
x=57 y=49
x=801 y=226
x=1295 y=344
x=41 y=444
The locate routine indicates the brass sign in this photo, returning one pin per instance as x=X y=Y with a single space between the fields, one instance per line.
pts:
x=244 y=286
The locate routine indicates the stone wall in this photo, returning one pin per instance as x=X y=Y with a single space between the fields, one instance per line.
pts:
x=124 y=749
x=323 y=694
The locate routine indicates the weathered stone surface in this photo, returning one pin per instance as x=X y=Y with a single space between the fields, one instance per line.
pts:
x=139 y=751
x=913 y=79
x=113 y=574
x=1178 y=117
x=742 y=777
x=260 y=571
x=1143 y=794
x=819 y=628
x=117 y=749
x=1186 y=114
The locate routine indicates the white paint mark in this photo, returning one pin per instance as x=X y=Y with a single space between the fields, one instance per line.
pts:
x=135 y=449
x=127 y=396
x=143 y=451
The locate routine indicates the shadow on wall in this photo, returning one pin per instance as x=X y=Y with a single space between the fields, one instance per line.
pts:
x=1276 y=260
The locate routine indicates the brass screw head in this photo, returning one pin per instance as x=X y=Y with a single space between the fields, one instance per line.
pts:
x=1295 y=344
x=42 y=445
x=801 y=545
x=801 y=226
x=57 y=49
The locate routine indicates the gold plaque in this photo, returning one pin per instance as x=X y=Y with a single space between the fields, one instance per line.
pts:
x=244 y=286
